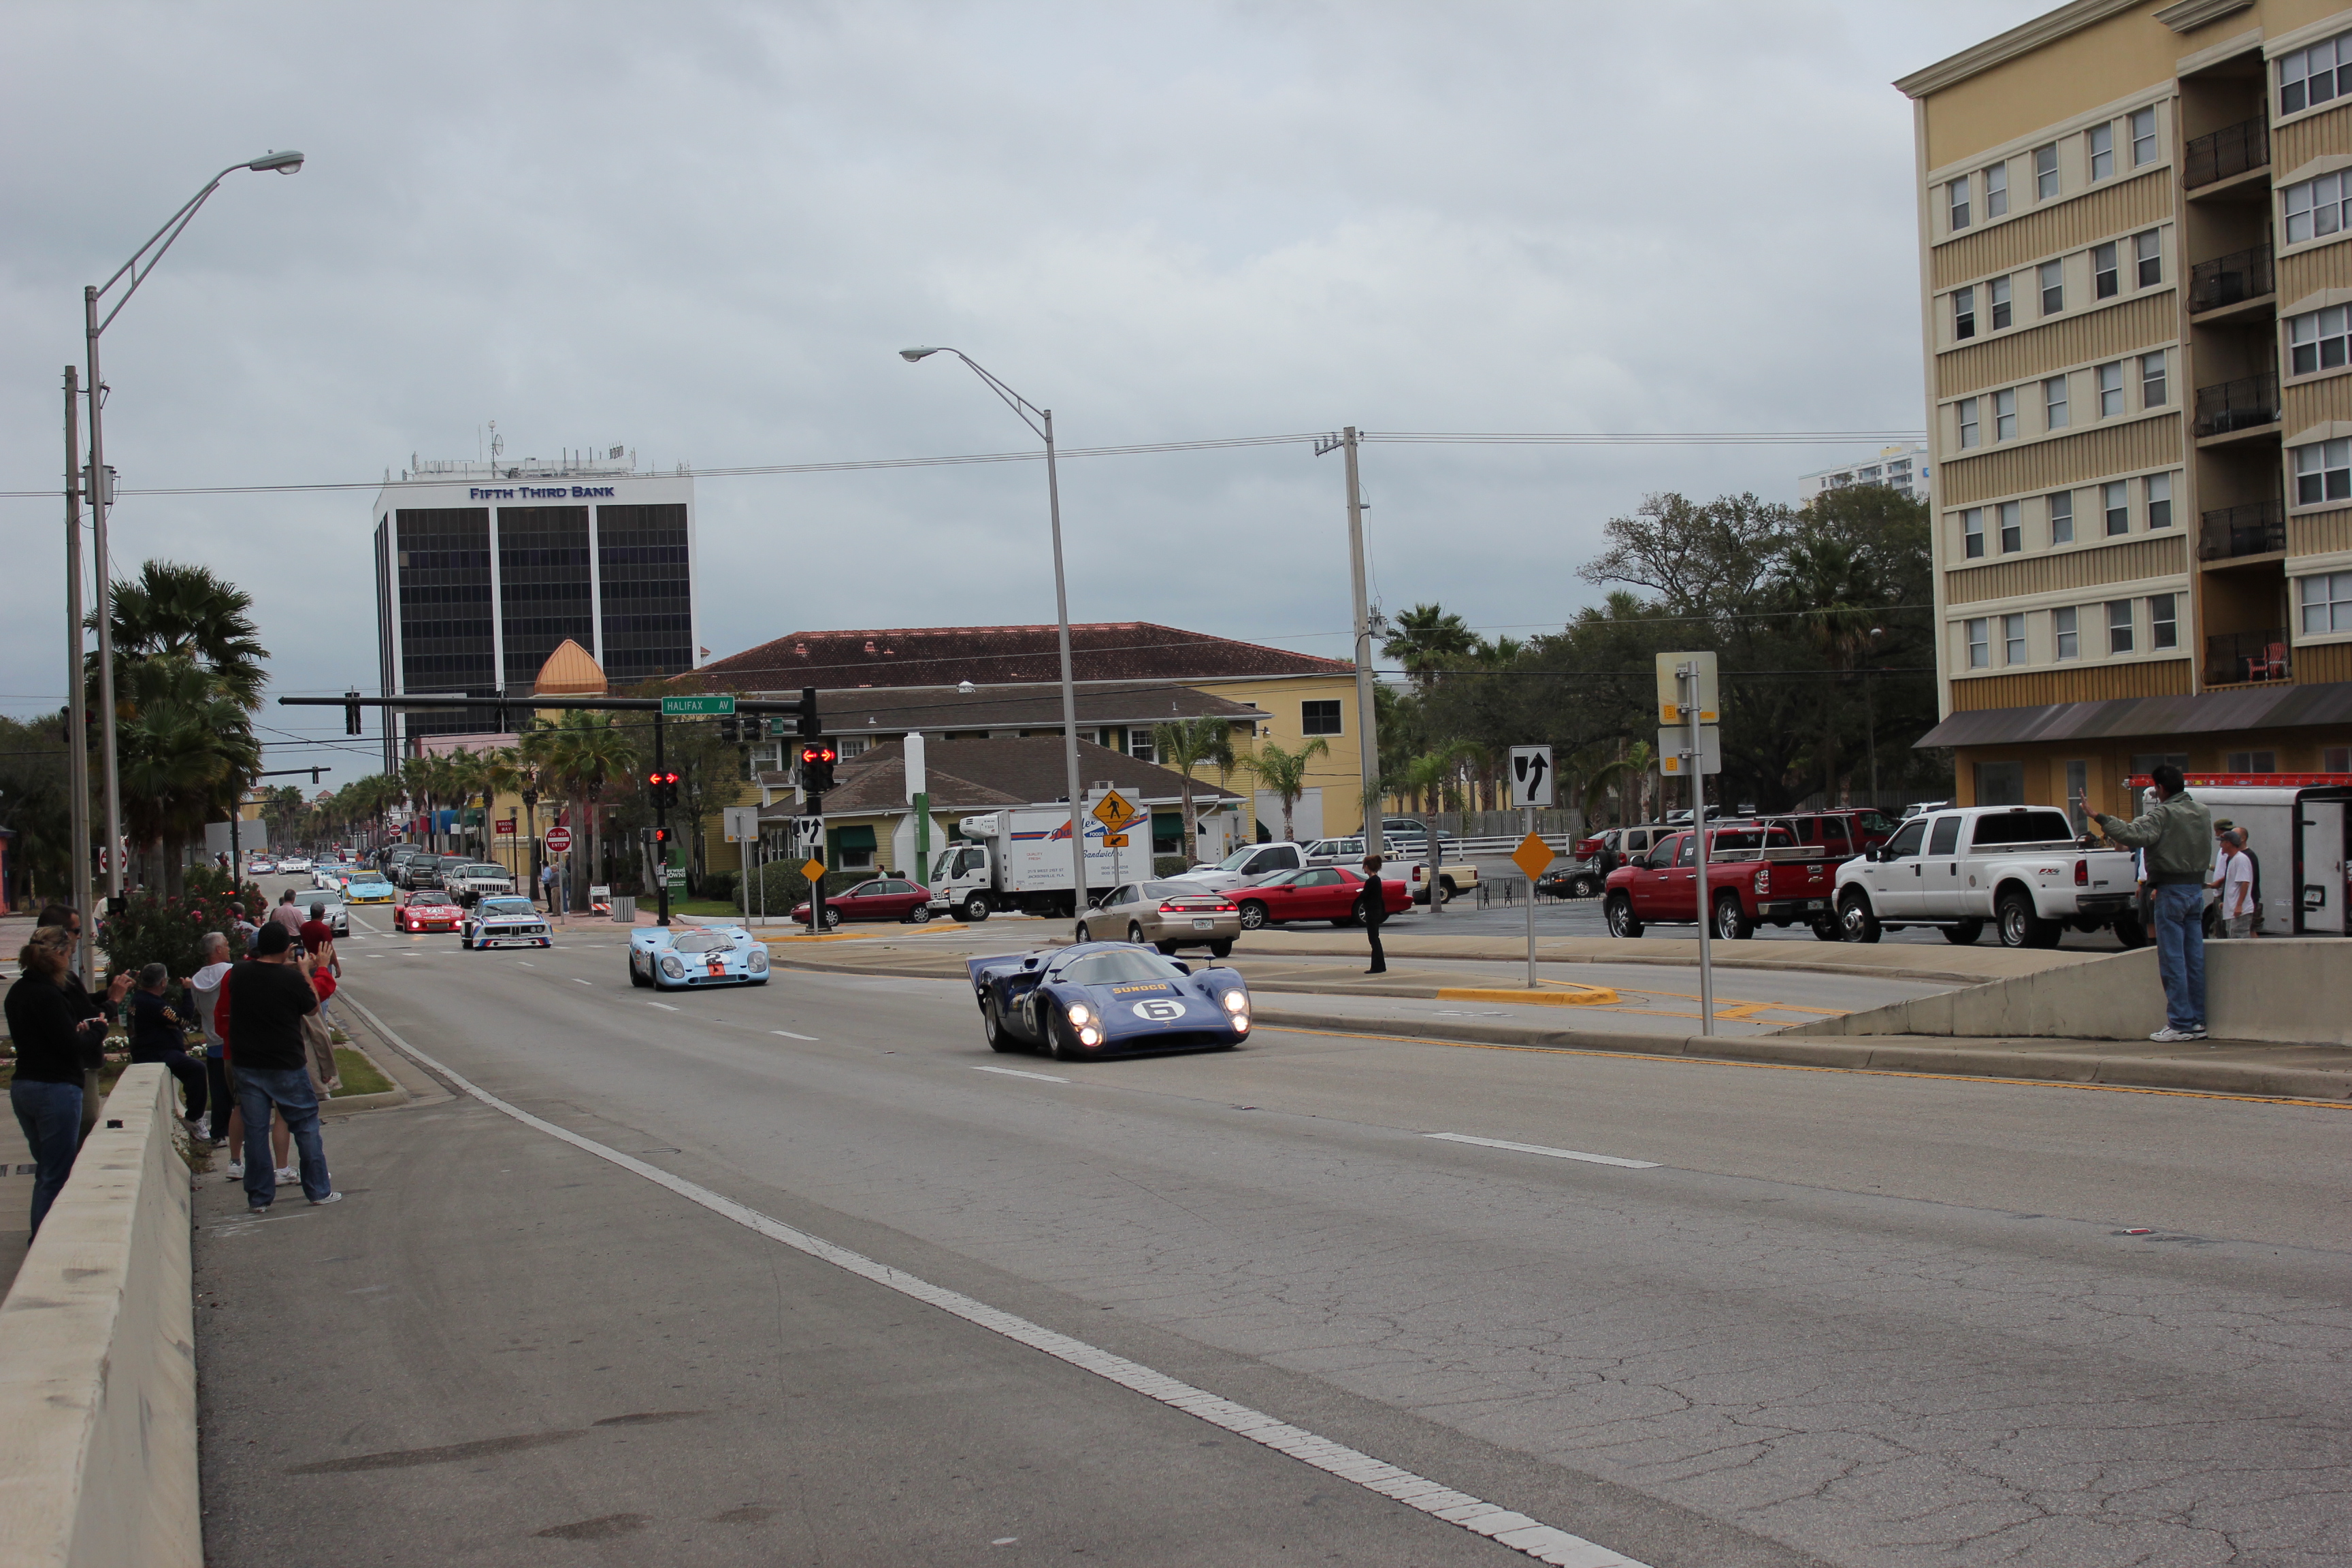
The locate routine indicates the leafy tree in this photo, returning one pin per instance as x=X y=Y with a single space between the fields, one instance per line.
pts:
x=1285 y=772
x=1185 y=744
x=35 y=803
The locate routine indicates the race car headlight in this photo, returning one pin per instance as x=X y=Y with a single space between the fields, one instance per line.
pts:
x=1237 y=1002
x=1089 y=1037
x=758 y=961
x=1241 y=1020
x=1080 y=1013
x=672 y=968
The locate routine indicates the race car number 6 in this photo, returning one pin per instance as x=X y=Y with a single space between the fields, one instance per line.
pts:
x=1159 y=1012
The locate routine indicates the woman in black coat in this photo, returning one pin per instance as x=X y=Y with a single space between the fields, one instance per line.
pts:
x=56 y=1038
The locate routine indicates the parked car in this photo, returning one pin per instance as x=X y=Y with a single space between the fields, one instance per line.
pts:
x=883 y=899
x=1316 y=893
x=1844 y=834
x=1168 y=915
x=2020 y=868
x=1247 y=864
x=1918 y=808
x=1754 y=874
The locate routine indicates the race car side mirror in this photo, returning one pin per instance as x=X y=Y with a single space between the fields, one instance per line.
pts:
x=1181 y=967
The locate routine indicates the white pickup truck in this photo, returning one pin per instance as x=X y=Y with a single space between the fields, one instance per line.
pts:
x=2019 y=867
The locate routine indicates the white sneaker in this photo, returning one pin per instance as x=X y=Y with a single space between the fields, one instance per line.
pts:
x=330 y=1198
x=2169 y=1034
x=236 y=1170
x=288 y=1173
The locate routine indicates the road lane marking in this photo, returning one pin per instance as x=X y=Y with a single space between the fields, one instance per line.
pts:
x=790 y=1036
x=577 y=980
x=662 y=1005
x=1016 y=1072
x=1530 y=1537
x=1540 y=1149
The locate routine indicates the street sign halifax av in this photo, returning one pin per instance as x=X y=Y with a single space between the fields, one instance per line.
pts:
x=1670 y=699
x=1532 y=856
x=559 y=840
x=1531 y=775
x=709 y=704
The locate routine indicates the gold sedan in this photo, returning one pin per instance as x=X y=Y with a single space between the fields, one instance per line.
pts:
x=1168 y=915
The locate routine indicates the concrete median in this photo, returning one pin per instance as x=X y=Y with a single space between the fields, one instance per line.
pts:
x=98 y=1461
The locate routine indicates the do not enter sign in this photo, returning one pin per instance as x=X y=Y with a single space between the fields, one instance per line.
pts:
x=559 y=840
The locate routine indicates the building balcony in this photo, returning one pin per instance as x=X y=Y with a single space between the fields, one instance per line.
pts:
x=2244 y=659
x=2231 y=150
x=2242 y=404
x=2228 y=279
x=2258 y=529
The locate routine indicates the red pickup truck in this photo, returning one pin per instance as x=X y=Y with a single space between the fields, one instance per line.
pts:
x=1753 y=875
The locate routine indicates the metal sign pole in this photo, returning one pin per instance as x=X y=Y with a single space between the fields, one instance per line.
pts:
x=1531 y=913
x=1688 y=672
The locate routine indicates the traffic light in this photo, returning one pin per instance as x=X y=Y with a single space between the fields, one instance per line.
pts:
x=811 y=725
x=661 y=788
x=731 y=730
x=661 y=837
x=817 y=758
x=351 y=713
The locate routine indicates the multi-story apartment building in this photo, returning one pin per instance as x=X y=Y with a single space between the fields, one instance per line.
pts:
x=2136 y=267
x=1903 y=469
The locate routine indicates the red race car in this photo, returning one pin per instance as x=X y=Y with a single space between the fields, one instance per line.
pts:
x=1316 y=893
x=428 y=909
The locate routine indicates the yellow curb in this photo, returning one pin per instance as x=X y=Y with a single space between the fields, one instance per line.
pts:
x=887 y=929
x=1581 y=996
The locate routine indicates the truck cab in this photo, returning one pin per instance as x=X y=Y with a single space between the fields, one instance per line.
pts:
x=1756 y=874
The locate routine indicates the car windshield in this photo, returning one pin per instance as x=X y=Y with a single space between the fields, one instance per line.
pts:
x=1176 y=891
x=508 y=907
x=1118 y=966
x=1237 y=860
x=481 y=870
x=366 y=878
x=702 y=942
x=430 y=901
x=1276 y=880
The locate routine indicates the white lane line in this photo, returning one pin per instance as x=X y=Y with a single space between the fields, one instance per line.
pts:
x=1016 y=1072
x=1541 y=1541
x=1540 y=1149
x=790 y=1036
x=577 y=980
x=527 y=964
x=662 y=1005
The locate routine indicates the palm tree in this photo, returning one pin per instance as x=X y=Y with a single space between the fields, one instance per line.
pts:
x=1284 y=773
x=185 y=612
x=417 y=778
x=184 y=749
x=581 y=753
x=1184 y=745
x=1427 y=640
x=1634 y=768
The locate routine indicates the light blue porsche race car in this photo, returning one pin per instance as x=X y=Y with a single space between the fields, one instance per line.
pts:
x=674 y=958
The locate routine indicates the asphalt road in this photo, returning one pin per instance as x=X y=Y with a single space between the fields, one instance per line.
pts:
x=1819 y=1318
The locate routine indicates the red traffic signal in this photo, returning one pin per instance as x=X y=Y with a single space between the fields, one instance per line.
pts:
x=820 y=751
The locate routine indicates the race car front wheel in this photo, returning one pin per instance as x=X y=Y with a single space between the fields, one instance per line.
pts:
x=1065 y=1046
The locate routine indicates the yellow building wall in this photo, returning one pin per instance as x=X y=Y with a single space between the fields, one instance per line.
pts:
x=1338 y=775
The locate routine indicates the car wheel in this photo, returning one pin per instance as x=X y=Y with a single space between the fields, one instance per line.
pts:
x=1082 y=934
x=991 y=1025
x=1134 y=933
x=637 y=979
x=2020 y=927
x=1253 y=915
x=975 y=909
x=1167 y=949
x=1361 y=913
x=919 y=915
x=2130 y=932
x=832 y=920
x=1065 y=1046
x=1962 y=935
x=1621 y=916
x=1731 y=922
x=1221 y=949
x=1826 y=927
x=1855 y=920
x=1584 y=886
x=1444 y=893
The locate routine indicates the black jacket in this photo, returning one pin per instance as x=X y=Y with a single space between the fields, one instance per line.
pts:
x=44 y=1020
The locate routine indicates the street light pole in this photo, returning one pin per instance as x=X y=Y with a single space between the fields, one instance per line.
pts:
x=102 y=490
x=77 y=707
x=1041 y=420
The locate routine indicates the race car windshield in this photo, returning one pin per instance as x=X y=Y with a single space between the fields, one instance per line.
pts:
x=508 y=907
x=1119 y=967
x=702 y=942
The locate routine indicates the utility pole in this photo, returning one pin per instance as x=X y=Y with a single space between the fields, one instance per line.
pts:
x=101 y=497
x=1366 y=726
x=1687 y=675
x=661 y=828
x=77 y=705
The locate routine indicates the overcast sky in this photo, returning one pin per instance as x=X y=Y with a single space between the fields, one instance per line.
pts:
x=702 y=231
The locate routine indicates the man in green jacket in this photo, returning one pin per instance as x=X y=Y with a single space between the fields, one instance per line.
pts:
x=2178 y=835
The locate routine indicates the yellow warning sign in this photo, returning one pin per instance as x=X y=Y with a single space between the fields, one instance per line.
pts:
x=1532 y=856
x=1115 y=841
x=813 y=868
x=1113 y=812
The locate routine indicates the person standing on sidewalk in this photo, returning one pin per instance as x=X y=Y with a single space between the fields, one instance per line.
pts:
x=203 y=993
x=269 y=999
x=53 y=1034
x=1376 y=912
x=2177 y=832
x=2237 y=887
x=93 y=1057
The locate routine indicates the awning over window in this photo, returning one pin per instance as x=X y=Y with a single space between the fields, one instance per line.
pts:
x=854 y=838
x=2282 y=706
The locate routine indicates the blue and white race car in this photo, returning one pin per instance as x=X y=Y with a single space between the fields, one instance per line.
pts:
x=673 y=958
x=504 y=923
x=1093 y=998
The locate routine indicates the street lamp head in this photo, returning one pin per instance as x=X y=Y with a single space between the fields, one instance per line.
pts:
x=911 y=355
x=283 y=163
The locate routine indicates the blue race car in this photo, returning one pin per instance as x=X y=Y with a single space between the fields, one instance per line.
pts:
x=1092 y=998
x=673 y=958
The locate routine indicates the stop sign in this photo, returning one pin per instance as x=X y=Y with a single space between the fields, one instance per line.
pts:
x=559 y=840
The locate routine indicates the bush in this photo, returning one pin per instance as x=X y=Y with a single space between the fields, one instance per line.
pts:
x=719 y=886
x=154 y=929
x=784 y=887
x=1169 y=865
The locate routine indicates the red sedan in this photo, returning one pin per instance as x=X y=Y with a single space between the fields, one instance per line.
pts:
x=884 y=899
x=427 y=909
x=1317 y=893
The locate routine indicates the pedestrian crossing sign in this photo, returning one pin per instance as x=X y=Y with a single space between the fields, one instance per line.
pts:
x=1113 y=812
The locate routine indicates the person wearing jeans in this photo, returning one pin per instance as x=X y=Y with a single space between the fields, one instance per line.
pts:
x=259 y=1090
x=2177 y=832
x=2180 y=959
x=53 y=1037
x=268 y=1000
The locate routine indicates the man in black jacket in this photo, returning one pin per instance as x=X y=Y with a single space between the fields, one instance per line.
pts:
x=269 y=998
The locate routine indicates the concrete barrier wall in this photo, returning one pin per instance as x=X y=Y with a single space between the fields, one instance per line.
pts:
x=98 y=1366
x=2283 y=990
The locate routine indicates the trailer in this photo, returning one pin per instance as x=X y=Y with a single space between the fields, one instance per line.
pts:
x=2299 y=827
x=1019 y=860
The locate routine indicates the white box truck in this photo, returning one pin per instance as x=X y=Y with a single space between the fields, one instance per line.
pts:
x=1020 y=860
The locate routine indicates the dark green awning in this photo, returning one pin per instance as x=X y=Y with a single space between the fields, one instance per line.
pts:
x=853 y=838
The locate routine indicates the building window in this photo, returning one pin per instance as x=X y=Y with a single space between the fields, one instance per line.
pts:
x=2103 y=270
x=2250 y=761
x=2160 y=500
x=2143 y=127
x=2012 y=639
x=2119 y=626
x=1996 y=181
x=2316 y=207
x=2045 y=172
x=853 y=746
x=1997 y=294
x=2327 y=602
x=2062 y=624
x=2052 y=278
x=2062 y=518
x=1967 y=421
x=2102 y=143
x=2316 y=339
x=2078 y=794
x=2111 y=390
x=1973 y=533
x=1318 y=718
x=1139 y=744
x=2115 y=502
x=2012 y=527
x=1979 y=648
x=2309 y=76
x=2053 y=402
x=2163 y=621
x=2323 y=472
x=2151 y=380
x=1964 y=313
x=2004 y=415
x=2147 y=249
x=2000 y=784
x=1956 y=194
